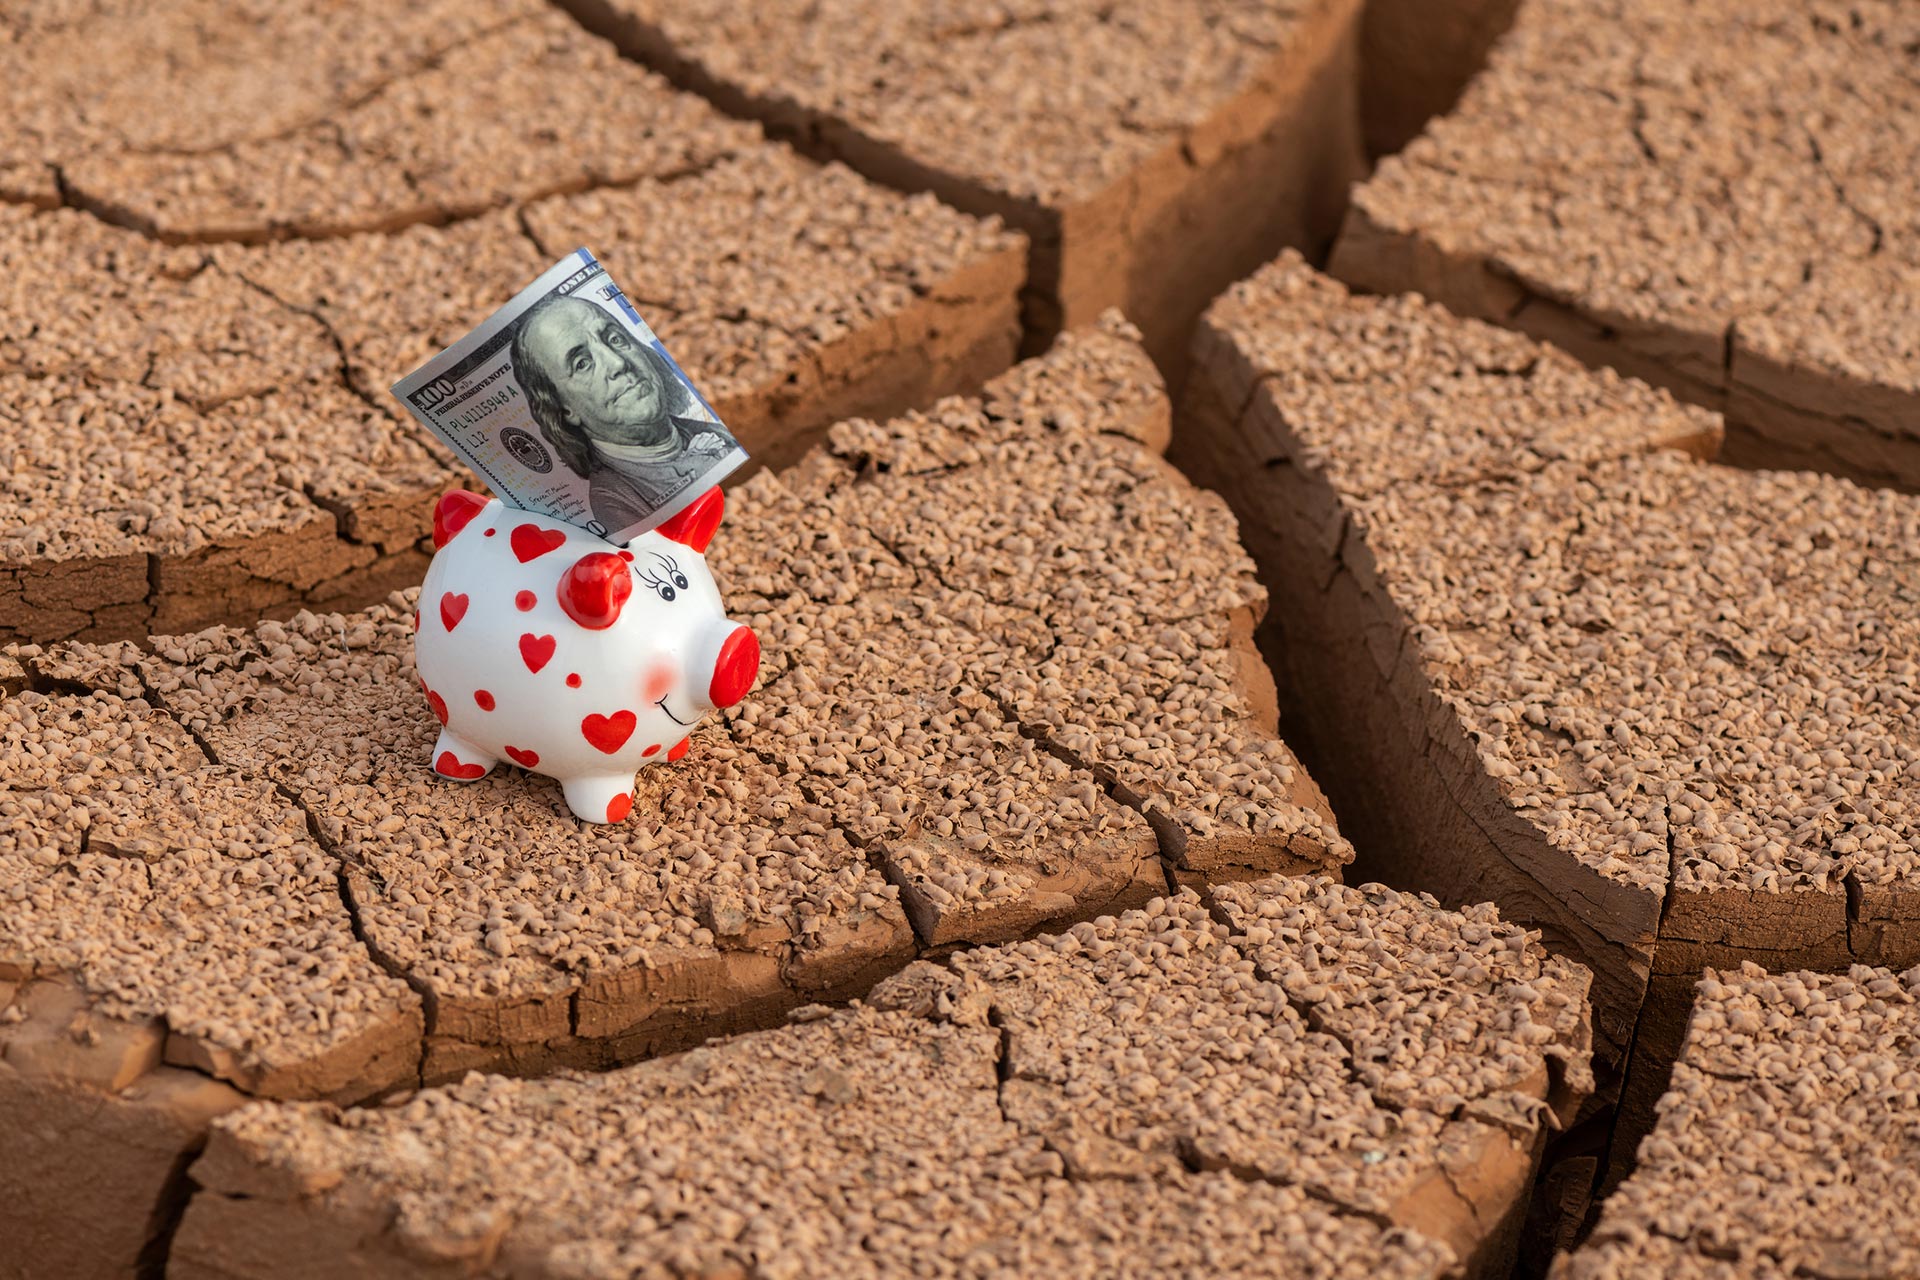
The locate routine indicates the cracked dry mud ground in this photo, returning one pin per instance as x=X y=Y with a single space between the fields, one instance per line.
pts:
x=1665 y=710
x=206 y=304
x=1787 y=1144
x=1152 y=153
x=1718 y=196
x=229 y=870
x=1172 y=1091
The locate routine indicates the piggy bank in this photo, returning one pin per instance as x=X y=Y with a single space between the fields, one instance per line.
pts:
x=541 y=644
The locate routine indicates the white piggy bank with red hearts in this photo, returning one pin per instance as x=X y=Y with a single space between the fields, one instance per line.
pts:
x=544 y=645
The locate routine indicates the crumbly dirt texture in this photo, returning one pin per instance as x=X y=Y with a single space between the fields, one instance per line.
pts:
x=1040 y=568
x=207 y=310
x=188 y=898
x=1789 y=1142
x=1665 y=709
x=1131 y=1093
x=929 y=762
x=1621 y=181
x=358 y=111
x=171 y=936
x=1153 y=152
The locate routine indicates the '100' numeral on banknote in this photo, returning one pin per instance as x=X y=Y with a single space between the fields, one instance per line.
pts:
x=565 y=403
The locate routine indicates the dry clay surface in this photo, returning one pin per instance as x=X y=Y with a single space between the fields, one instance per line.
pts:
x=201 y=432
x=1309 y=1081
x=1668 y=710
x=1009 y=682
x=1153 y=153
x=1718 y=196
x=1789 y=1144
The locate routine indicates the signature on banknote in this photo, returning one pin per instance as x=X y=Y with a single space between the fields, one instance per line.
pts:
x=565 y=403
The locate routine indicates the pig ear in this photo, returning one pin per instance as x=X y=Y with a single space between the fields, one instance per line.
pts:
x=695 y=526
x=451 y=514
x=594 y=588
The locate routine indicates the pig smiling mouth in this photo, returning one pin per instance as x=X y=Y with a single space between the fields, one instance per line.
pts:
x=662 y=704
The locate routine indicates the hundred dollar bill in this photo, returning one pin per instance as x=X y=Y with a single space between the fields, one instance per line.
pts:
x=565 y=403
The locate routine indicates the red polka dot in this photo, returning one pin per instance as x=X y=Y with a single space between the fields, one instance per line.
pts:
x=489 y=533
x=524 y=601
x=652 y=750
x=627 y=556
x=679 y=749
x=619 y=807
x=573 y=680
x=416 y=619
x=484 y=698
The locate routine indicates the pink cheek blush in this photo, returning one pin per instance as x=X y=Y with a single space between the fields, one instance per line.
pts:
x=661 y=678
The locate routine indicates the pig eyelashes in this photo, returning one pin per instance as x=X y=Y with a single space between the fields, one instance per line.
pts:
x=666 y=580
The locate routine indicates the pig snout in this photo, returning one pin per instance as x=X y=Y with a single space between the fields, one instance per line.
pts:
x=736 y=663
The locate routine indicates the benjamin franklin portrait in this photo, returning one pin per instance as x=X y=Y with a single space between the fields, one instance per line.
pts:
x=612 y=408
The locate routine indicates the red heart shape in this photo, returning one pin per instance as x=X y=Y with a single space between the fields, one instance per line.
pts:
x=536 y=651
x=530 y=541
x=608 y=733
x=452 y=609
x=439 y=705
x=525 y=759
x=449 y=765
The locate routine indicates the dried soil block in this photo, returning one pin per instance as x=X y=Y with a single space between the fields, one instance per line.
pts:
x=261 y=71
x=1668 y=711
x=318 y=120
x=171 y=941
x=1151 y=153
x=1786 y=1145
x=178 y=448
x=985 y=832
x=1080 y=589
x=794 y=294
x=1620 y=182
x=1165 y=1092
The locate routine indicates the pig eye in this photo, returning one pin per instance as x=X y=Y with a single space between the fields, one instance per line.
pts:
x=661 y=586
x=670 y=568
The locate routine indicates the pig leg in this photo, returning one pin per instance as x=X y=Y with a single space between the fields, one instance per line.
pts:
x=455 y=757
x=599 y=797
